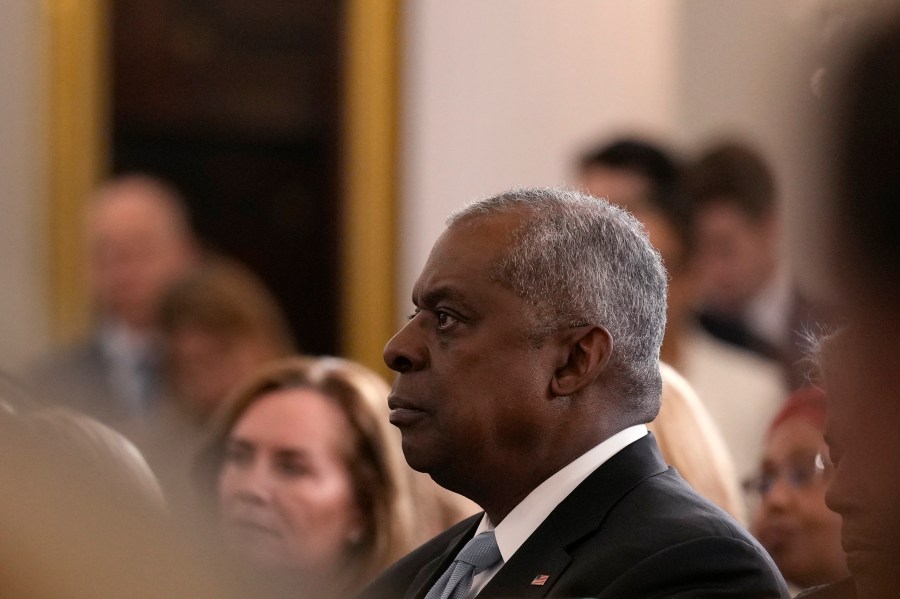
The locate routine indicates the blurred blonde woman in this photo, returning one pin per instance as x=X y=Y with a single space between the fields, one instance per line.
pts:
x=690 y=441
x=310 y=478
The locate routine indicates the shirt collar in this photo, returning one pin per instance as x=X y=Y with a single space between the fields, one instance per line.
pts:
x=524 y=519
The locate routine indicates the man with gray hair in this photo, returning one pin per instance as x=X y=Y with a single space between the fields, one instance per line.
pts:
x=527 y=373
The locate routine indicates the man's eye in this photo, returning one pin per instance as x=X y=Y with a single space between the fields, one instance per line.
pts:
x=445 y=320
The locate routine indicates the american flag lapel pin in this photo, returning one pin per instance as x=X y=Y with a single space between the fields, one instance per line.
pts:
x=539 y=580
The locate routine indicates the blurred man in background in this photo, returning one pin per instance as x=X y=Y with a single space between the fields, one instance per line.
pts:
x=746 y=295
x=742 y=391
x=139 y=243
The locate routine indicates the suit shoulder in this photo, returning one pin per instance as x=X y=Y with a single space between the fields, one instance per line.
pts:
x=669 y=537
x=670 y=505
x=714 y=566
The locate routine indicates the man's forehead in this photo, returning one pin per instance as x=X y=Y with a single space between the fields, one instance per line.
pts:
x=463 y=258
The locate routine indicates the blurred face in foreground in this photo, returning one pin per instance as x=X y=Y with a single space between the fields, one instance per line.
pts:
x=286 y=495
x=862 y=434
x=793 y=523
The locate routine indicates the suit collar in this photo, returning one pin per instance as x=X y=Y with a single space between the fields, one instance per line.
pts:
x=547 y=550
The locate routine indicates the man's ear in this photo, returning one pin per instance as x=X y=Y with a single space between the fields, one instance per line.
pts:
x=584 y=354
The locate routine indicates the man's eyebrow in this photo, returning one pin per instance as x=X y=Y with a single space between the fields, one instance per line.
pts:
x=434 y=296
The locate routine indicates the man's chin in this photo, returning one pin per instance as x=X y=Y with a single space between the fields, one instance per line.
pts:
x=876 y=572
x=417 y=458
x=428 y=462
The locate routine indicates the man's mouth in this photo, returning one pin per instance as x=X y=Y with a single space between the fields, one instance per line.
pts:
x=404 y=412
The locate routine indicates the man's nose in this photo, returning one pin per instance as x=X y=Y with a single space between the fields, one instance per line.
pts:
x=836 y=497
x=405 y=352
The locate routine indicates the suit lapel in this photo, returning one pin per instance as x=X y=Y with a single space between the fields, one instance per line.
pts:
x=547 y=550
x=524 y=574
x=430 y=573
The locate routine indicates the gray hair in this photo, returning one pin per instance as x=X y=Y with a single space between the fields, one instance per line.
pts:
x=579 y=260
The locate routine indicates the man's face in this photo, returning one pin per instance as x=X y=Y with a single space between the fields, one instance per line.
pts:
x=736 y=256
x=862 y=427
x=136 y=252
x=472 y=390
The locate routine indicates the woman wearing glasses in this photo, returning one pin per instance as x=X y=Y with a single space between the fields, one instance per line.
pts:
x=789 y=515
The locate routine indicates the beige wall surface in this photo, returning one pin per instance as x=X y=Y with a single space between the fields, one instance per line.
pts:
x=498 y=94
x=24 y=325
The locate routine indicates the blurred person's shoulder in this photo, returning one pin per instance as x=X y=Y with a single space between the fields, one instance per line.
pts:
x=75 y=375
x=81 y=355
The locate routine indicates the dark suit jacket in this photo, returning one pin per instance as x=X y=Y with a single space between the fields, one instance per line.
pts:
x=79 y=376
x=632 y=529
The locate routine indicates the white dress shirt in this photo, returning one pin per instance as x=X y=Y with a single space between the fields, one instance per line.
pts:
x=129 y=355
x=525 y=518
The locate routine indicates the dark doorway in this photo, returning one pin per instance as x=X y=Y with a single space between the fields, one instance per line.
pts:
x=238 y=104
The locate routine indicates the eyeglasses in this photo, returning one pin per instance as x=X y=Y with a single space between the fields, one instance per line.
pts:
x=800 y=472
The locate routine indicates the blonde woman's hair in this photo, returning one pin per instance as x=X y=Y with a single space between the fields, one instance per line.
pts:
x=691 y=442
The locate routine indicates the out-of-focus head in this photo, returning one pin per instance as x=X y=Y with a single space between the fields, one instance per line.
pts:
x=733 y=191
x=102 y=456
x=220 y=324
x=866 y=164
x=308 y=474
x=510 y=286
x=790 y=517
x=690 y=441
x=139 y=243
x=643 y=178
x=861 y=427
x=861 y=362
x=82 y=517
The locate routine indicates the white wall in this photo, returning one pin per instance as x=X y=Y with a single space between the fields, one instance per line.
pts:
x=499 y=94
x=24 y=326
x=745 y=68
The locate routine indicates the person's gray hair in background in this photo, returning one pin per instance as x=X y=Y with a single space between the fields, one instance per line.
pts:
x=577 y=264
